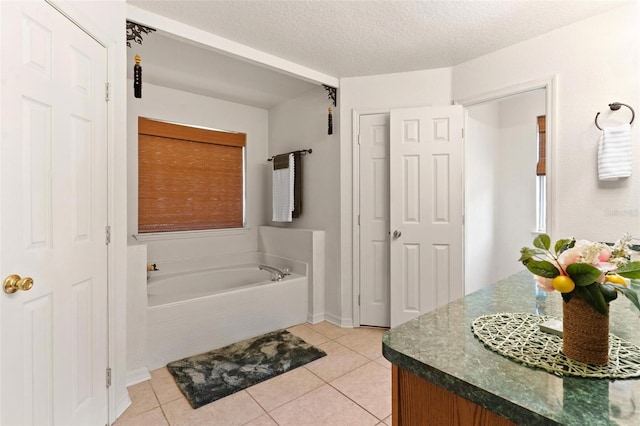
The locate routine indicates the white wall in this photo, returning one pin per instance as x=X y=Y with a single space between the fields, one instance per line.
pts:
x=302 y=124
x=481 y=188
x=596 y=62
x=172 y=105
x=304 y=245
x=377 y=93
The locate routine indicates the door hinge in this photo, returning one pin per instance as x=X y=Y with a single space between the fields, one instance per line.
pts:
x=108 y=236
x=358 y=138
x=463 y=133
x=358 y=300
x=107 y=90
x=358 y=220
x=108 y=377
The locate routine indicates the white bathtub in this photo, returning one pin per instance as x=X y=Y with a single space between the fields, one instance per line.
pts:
x=191 y=312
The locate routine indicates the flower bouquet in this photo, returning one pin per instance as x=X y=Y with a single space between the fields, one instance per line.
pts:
x=589 y=275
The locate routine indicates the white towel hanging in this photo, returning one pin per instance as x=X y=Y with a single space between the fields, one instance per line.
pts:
x=614 y=153
x=282 y=192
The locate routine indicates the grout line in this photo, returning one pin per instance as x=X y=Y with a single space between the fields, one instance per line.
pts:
x=355 y=402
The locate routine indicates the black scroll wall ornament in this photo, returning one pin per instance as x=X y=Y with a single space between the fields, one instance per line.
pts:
x=331 y=93
x=134 y=32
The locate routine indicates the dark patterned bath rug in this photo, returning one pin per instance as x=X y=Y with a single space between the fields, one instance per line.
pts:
x=218 y=373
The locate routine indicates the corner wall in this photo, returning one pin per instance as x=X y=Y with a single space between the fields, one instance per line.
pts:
x=596 y=62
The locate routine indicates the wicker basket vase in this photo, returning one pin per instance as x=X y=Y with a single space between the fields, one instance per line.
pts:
x=585 y=332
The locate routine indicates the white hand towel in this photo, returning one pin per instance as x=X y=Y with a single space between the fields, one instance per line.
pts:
x=614 y=153
x=282 y=192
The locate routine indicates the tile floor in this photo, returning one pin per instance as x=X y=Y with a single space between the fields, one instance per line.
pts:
x=351 y=386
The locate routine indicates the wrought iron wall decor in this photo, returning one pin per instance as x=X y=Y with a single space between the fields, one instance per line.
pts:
x=135 y=31
x=332 y=94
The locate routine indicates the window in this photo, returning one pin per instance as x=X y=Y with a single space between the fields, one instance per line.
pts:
x=189 y=178
x=541 y=180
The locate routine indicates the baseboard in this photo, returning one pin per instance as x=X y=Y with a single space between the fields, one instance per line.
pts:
x=122 y=404
x=316 y=318
x=137 y=376
x=340 y=322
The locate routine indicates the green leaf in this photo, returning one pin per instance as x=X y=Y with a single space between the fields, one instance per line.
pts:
x=583 y=274
x=562 y=245
x=542 y=268
x=593 y=296
x=542 y=241
x=630 y=270
x=527 y=253
x=629 y=293
x=608 y=292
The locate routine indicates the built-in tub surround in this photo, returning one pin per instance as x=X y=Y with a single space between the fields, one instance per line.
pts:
x=201 y=304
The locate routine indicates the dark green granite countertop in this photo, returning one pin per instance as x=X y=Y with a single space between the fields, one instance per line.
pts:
x=441 y=348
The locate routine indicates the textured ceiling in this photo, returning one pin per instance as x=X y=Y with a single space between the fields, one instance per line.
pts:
x=354 y=38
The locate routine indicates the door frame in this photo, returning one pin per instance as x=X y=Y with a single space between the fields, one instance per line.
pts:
x=355 y=242
x=114 y=305
x=549 y=84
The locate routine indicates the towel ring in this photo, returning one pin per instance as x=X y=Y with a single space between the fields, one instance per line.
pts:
x=614 y=107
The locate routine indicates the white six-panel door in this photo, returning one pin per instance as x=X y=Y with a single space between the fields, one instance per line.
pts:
x=426 y=199
x=374 y=220
x=53 y=218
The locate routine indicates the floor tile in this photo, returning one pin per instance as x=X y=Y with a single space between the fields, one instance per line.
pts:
x=236 y=409
x=149 y=418
x=263 y=420
x=365 y=341
x=286 y=387
x=308 y=335
x=328 y=329
x=165 y=386
x=387 y=421
x=383 y=362
x=339 y=360
x=321 y=407
x=142 y=399
x=370 y=387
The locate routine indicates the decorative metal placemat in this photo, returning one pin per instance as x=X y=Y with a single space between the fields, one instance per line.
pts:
x=517 y=336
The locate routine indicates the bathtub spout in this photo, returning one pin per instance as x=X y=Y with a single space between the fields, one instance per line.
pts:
x=276 y=274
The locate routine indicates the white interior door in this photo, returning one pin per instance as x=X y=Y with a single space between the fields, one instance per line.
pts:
x=374 y=220
x=426 y=199
x=53 y=216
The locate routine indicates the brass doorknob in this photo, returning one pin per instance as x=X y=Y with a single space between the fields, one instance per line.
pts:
x=14 y=283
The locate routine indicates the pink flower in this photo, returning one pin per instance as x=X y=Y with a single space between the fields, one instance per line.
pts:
x=544 y=284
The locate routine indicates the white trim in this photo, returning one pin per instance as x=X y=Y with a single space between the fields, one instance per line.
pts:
x=138 y=376
x=339 y=321
x=315 y=318
x=229 y=47
x=182 y=235
x=355 y=286
x=550 y=84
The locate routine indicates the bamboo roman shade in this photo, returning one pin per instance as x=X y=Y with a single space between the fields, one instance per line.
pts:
x=189 y=178
x=541 y=167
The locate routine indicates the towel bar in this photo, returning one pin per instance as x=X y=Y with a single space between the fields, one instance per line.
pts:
x=614 y=107
x=302 y=152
